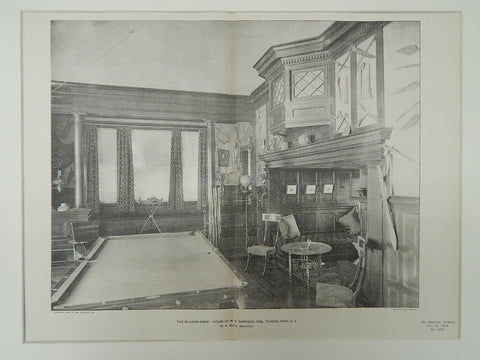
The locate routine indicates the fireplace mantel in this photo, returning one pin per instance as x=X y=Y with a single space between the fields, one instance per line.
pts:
x=351 y=152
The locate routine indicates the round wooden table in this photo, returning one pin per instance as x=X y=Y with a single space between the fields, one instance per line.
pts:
x=308 y=252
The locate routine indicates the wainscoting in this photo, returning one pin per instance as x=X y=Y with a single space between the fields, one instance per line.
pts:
x=61 y=250
x=401 y=266
x=168 y=222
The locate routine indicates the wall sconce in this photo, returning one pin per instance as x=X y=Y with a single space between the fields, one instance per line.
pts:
x=245 y=181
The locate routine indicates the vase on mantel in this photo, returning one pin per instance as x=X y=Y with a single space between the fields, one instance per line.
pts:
x=63 y=207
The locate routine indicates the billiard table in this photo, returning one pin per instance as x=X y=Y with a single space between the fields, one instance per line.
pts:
x=151 y=271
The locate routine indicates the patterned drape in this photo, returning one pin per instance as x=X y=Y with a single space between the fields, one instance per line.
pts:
x=175 y=198
x=91 y=165
x=215 y=217
x=125 y=191
x=202 y=169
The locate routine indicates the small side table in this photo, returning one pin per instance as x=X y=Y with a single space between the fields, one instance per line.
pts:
x=150 y=208
x=305 y=251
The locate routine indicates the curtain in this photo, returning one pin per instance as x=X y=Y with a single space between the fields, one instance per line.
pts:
x=202 y=169
x=125 y=191
x=215 y=217
x=175 y=197
x=91 y=167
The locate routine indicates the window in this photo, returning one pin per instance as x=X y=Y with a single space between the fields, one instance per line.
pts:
x=343 y=106
x=356 y=87
x=190 y=165
x=309 y=83
x=278 y=91
x=151 y=163
x=107 y=165
x=366 y=83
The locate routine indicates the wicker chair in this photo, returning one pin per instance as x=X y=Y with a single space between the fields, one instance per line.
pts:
x=339 y=296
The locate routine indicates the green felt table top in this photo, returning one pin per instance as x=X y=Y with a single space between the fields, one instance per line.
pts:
x=152 y=264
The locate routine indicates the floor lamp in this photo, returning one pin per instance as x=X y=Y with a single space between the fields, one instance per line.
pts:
x=245 y=181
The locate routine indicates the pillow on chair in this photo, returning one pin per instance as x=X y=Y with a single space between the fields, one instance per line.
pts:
x=288 y=227
x=351 y=221
x=284 y=230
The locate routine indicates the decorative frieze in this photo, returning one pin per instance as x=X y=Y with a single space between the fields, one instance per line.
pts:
x=305 y=58
x=115 y=101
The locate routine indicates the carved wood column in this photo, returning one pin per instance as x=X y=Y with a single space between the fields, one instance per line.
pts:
x=78 y=160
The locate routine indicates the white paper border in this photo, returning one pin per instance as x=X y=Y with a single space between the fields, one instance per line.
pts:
x=439 y=233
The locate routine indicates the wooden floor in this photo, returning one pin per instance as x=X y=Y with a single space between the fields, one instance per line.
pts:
x=272 y=290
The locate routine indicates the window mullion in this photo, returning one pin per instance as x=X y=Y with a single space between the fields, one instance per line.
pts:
x=353 y=88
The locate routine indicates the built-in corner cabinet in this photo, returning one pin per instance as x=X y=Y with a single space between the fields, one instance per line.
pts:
x=300 y=95
x=332 y=81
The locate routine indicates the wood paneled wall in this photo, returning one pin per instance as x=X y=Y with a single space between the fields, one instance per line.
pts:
x=392 y=277
x=61 y=233
x=372 y=285
x=167 y=222
x=233 y=220
x=316 y=212
x=112 y=223
x=401 y=266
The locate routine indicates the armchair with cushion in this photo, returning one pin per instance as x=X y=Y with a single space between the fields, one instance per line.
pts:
x=340 y=294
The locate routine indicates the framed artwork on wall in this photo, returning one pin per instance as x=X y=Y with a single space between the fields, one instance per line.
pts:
x=328 y=188
x=223 y=158
x=291 y=189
